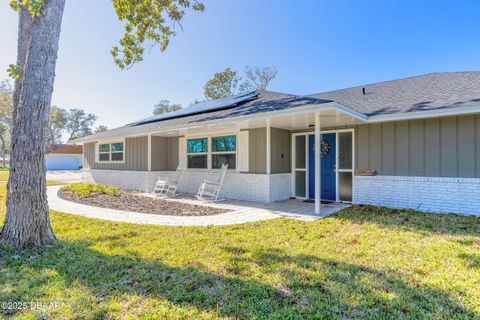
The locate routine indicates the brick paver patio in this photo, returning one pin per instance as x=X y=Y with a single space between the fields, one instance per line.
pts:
x=242 y=211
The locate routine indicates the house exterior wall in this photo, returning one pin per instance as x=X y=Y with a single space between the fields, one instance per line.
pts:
x=172 y=160
x=433 y=194
x=428 y=164
x=159 y=153
x=239 y=186
x=257 y=150
x=136 y=156
x=280 y=151
x=164 y=153
x=436 y=147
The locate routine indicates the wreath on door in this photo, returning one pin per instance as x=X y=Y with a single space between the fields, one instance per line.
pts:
x=324 y=148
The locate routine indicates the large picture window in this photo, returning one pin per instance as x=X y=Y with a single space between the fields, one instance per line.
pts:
x=197 y=153
x=224 y=151
x=111 y=152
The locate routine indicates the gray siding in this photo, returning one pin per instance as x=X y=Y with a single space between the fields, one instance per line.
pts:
x=159 y=153
x=136 y=154
x=164 y=153
x=281 y=150
x=172 y=161
x=257 y=149
x=440 y=147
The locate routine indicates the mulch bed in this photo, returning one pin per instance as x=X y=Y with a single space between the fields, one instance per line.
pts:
x=128 y=201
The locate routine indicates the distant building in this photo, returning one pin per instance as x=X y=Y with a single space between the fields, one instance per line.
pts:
x=64 y=157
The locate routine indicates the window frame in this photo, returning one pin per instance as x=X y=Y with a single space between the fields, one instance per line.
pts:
x=197 y=153
x=110 y=151
x=209 y=152
x=212 y=153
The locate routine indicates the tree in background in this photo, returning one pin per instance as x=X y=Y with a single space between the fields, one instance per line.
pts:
x=164 y=106
x=227 y=83
x=147 y=23
x=260 y=77
x=75 y=122
x=100 y=128
x=6 y=109
x=79 y=124
x=57 y=122
x=223 y=84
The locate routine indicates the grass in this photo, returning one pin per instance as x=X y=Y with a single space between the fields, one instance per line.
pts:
x=4 y=173
x=88 y=189
x=364 y=262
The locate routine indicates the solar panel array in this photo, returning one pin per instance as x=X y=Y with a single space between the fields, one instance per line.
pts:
x=201 y=107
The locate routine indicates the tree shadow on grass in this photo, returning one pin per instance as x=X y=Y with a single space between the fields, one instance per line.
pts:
x=452 y=224
x=308 y=287
x=473 y=260
x=336 y=289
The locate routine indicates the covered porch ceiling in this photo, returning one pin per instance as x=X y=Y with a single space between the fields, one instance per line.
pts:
x=295 y=121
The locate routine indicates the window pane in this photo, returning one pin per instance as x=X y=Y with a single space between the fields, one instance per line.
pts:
x=117 y=156
x=104 y=147
x=117 y=146
x=227 y=143
x=300 y=183
x=219 y=159
x=345 y=150
x=345 y=186
x=104 y=156
x=197 y=162
x=197 y=145
x=300 y=152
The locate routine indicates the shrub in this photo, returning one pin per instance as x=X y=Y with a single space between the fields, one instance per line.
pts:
x=88 y=189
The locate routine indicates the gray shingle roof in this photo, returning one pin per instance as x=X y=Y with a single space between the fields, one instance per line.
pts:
x=266 y=101
x=431 y=91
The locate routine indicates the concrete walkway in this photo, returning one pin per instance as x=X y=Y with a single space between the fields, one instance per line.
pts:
x=241 y=212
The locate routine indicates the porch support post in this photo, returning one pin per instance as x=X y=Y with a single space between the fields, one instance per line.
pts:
x=149 y=152
x=269 y=144
x=317 y=164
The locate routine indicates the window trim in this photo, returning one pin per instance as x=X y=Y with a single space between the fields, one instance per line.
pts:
x=209 y=152
x=196 y=153
x=223 y=152
x=110 y=152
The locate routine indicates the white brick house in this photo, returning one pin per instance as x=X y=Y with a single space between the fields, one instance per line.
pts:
x=407 y=143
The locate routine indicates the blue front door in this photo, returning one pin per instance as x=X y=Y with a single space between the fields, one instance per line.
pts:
x=327 y=166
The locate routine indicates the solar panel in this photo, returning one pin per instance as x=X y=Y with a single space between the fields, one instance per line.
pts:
x=201 y=107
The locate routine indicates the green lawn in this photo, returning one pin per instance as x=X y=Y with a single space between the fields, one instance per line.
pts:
x=4 y=172
x=361 y=263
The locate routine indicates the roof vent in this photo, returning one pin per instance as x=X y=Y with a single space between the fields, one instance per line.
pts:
x=363 y=91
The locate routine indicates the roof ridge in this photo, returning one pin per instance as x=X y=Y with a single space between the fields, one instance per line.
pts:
x=394 y=80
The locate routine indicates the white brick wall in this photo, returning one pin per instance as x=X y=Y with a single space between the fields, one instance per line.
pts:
x=434 y=194
x=240 y=186
x=280 y=186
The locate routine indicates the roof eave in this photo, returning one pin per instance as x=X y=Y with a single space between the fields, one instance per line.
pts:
x=456 y=111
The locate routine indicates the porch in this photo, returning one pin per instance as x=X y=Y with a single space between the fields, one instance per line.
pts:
x=305 y=154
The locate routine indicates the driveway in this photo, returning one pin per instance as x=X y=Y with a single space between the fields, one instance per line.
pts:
x=64 y=175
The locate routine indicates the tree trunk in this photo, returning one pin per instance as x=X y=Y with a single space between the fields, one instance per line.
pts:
x=27 y=219
x=24 y=36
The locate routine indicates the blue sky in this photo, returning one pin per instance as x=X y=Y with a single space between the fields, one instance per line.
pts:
x=315 y=45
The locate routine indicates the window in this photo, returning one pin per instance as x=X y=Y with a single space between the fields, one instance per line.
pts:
x=104 y=152
x=197 y=153
x=224 y=151
x=110 y=152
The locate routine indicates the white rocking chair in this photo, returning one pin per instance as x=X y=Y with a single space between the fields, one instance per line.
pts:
x=212 y=184
x=167 y=186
